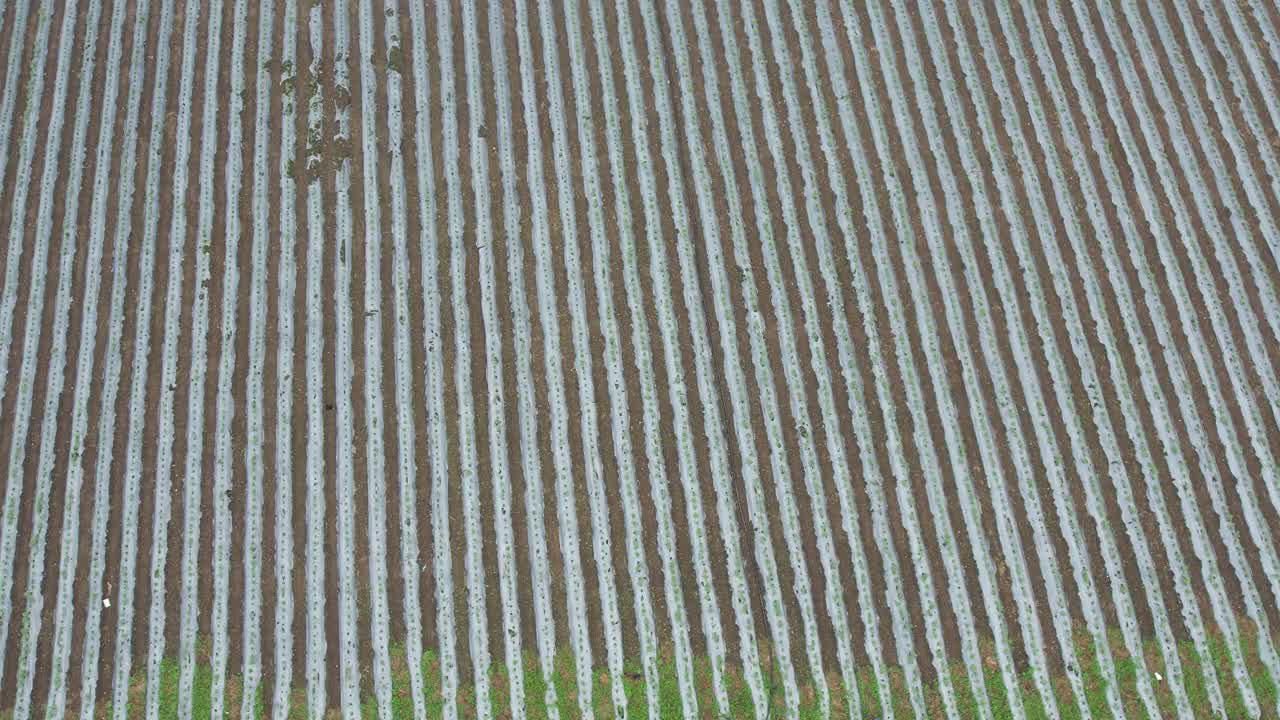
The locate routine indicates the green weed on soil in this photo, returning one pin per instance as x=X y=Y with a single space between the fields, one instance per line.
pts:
x=562 y=686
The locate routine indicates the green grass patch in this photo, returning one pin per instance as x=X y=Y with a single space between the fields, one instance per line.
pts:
x=561 y=687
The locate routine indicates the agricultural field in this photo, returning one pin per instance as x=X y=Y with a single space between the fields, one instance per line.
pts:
x=640 y=358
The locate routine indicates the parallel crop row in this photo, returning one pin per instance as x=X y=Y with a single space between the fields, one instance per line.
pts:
x=650 y=359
